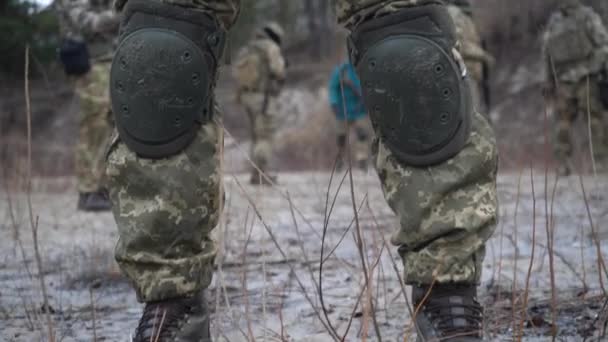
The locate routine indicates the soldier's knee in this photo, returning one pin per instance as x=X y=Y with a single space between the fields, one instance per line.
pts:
x=162 y=76
x=414 y=83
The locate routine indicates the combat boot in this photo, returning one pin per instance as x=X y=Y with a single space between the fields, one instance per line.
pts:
x=175 y=320
x=94 y=201
x=449 y=312
x=262 y=179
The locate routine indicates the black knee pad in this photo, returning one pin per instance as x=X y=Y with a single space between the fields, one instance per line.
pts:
x=415 y=90
x=163 y=75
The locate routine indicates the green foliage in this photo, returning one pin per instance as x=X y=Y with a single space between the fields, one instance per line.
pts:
x=23 y=23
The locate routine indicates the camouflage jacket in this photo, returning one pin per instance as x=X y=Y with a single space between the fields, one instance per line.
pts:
x=259 y=66
x=470 y=42
x=92 y=21
x=575 y=45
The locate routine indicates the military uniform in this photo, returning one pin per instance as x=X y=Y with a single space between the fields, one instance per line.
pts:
x=95 y=23
x=259 y=70
x=444 y=194
x=471 y=48
x=575 y=52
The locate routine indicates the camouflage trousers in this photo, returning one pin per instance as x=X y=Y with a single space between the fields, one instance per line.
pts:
x=580 y=100
x=166 y=208
x=263 y=128
x=360 y=140
x=94 y=126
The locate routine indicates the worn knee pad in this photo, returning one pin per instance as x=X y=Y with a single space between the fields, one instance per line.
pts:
x=163 y=75
x=414 y=87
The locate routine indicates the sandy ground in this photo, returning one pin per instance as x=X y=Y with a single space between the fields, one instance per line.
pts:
x=262 y=293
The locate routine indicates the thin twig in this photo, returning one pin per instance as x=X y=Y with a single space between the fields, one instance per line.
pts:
x=591 y=147
x=549 y=227
x=601 y=265
x=516 y=252
x=532 y=254
x=34 y=220
x=284 y=255
x=93 y=314
x=417 y=311
x=244 y=280
x=394 y=264
x=328 y=212
x=359 y=235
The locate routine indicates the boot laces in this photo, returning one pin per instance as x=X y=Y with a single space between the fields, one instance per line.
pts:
x=455 y=315
x=161 y=320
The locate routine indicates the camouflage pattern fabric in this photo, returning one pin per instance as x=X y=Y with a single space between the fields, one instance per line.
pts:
x=260 y=71
x=95 y=23
x=580 y=100
x=574 y=85
x=91 y=21
x=351 y=13
x=226 y=11
x=471 y=50
x=447 y=212
x=263 y=128
x=95 y=126
x=360 y=141
x=594 y=31
x=166 y=208
x=260 y=66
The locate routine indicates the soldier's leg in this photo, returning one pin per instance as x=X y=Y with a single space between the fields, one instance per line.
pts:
x=262 y=135
x=93 y=136
x=342 y=130
x=252 y=119
x=362 y=142
x=163 y=168
x=597 y=121
x=437 y=160
x=566 y=110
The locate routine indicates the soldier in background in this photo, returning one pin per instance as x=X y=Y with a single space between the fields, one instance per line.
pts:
x=88 y=29
x=575 y=52
x=476 y=58
x=346 y=100
x=260 y=73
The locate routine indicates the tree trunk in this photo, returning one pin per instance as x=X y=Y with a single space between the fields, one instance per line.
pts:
x=313 y=29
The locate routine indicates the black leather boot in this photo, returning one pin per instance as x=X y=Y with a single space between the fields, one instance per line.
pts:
x=94 y=201
x=449 y=313
x=175 y=320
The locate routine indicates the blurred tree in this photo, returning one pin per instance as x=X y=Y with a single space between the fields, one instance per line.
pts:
x=23 y=23
x=320 y=30
x=309 y=25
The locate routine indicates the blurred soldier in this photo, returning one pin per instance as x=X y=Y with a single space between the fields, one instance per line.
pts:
x=477 y=60
x=575 y=50
x=260 y=74
x=346 y=102
x=436 y=157
x=88 y=29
